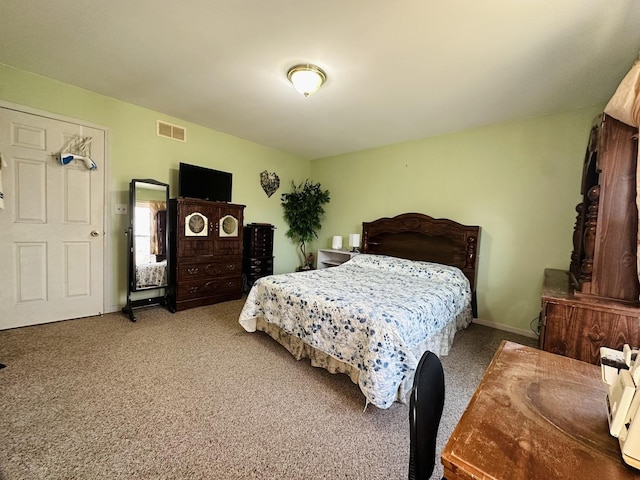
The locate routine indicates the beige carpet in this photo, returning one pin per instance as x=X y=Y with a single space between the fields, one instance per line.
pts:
x=192 y=395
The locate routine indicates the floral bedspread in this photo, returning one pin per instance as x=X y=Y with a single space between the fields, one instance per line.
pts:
x=375 y=313
x=151 y=274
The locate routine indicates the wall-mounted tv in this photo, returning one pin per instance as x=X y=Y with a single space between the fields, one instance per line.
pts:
x=204 y=183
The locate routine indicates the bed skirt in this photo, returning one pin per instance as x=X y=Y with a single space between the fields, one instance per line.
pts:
x=438 y=344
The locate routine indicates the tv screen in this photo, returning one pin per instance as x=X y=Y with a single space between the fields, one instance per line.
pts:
x=204 y=183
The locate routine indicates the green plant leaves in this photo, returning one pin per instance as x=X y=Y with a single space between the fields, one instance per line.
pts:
x=303 y=211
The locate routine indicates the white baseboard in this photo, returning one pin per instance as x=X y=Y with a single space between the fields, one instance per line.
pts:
x=113 y=309
x=506 y=328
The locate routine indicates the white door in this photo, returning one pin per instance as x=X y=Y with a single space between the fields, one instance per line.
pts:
x=51 y=227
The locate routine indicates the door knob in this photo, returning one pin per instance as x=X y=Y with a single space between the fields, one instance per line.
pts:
x=95 y=233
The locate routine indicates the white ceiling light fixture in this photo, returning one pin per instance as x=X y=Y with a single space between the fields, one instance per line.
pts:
x=306 y=79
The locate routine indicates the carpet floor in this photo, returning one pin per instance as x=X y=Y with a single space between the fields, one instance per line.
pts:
x=191 y=395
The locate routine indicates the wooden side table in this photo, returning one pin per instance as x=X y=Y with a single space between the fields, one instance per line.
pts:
x=535 y=415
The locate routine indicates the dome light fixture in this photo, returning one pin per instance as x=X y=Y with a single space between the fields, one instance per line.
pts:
x=306 y=78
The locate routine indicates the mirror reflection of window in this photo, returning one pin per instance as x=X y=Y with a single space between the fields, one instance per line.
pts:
x=149 y=231
x=142 y=229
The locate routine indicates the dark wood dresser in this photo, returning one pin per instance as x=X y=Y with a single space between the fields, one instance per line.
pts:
x=257 y=256
x=206 y=252
x=595 y=303
x=577 y=326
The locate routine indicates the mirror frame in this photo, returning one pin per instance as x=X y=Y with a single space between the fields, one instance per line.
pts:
x=132 y=286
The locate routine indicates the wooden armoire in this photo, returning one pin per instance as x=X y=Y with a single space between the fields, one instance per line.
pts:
x=206 y=252
x=595 y=303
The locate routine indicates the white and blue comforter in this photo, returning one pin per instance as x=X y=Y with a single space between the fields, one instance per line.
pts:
x=375 y=313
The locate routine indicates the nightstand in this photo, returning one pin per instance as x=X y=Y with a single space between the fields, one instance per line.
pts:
x=332 y=258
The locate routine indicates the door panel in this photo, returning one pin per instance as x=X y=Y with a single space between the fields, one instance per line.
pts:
x=77 y=197
x=30 y=274
x=30 y=190
x=51 y=229
x=77 y=267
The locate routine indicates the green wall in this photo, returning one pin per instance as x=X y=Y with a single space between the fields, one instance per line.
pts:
x=137 y=152
x=520 y=181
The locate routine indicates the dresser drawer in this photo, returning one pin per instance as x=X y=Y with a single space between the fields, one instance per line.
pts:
x=205 y=288
x=257 y=265
x=190 y=271
x=260 y=271
x=258 y=241
x=259 y=251
x=260 y=230
x=261 y=235
x=258 y=261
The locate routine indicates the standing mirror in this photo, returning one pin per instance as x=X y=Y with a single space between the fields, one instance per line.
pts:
x=148 y=246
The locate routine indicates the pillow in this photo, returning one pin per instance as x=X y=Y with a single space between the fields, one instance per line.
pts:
x=413 y=268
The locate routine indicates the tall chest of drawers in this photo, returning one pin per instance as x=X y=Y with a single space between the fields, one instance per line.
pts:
x=257 y=256
x=206 y=252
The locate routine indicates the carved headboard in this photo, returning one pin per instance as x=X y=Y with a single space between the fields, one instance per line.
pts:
x=416 y=236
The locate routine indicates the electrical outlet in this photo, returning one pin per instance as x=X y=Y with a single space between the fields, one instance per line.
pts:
x=121 y=209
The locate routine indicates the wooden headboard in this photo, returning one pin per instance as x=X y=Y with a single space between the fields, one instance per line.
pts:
x=416 y=236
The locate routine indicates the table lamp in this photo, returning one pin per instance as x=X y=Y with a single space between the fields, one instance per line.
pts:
x=354 y=242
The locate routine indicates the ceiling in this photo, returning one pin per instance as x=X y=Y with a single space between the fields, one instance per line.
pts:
x=397 y=71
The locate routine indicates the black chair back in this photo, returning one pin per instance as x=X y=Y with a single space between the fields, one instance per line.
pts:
x=425 y=410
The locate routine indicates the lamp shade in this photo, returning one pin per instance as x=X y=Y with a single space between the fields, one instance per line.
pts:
x=306 y=79
x=336 y=242
x=354 y=239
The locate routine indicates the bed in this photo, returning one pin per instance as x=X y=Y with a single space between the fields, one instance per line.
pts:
x=410 y=290
x=150 y=275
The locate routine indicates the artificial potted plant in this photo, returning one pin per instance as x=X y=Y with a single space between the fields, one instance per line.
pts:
x=303 y=213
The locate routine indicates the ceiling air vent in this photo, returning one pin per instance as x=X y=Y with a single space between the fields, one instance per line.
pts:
x=172 y=131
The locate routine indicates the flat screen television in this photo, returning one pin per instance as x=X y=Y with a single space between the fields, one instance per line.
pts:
x=204 y=183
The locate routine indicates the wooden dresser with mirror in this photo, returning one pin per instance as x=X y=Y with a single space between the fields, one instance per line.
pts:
x=205 y=252
x=595 y=302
